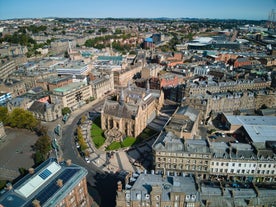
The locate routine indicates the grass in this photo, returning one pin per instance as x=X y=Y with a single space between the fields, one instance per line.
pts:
x=97 y=133
x=128 y=141
x=2 y=184
x=114 y=146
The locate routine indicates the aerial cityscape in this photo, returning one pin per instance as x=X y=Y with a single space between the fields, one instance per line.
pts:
x=137 y=104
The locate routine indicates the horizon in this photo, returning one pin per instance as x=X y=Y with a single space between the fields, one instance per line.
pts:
x=128 y=9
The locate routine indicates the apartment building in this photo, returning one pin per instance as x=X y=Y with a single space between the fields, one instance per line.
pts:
x=102 y=85
x=50 y=184
x=158 y=191
x=250 y=157
x=72 y=95
x=7 y=68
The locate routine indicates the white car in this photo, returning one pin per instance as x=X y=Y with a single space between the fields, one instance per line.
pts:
x=87 y=160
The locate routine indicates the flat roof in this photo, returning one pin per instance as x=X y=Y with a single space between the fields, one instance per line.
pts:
x=259 y=128
x=42 y=185
x=69 y=87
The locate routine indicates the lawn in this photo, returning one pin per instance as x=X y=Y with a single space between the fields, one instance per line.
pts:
x=97 y=133
x=128 y=141
x=114 y=146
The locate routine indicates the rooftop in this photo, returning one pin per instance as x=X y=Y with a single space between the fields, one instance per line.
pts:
x=69 y=87
x=42 y=185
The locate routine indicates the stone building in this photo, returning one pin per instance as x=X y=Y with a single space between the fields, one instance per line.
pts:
x=229 y=97
x=184 y=122
x=73 y=95
x=2 y=130
x=102 y=85
x=7 y=68
x=135 y=108
x=45 y=111
x=249 y=157
x=158 y=191
x=122 y=77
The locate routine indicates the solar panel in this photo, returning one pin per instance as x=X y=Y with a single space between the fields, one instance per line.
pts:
x=46 y=173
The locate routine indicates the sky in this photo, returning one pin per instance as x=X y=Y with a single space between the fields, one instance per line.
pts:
x=220 y=9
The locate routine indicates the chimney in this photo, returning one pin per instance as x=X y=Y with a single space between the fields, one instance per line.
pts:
x=8 y=186
x=68 y=162
x=31 y=170
x=60 y=183
x=36 y=203
x=119 y=186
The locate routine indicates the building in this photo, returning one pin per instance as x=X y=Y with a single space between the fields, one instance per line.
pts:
x=151 y=70
x=4 y=98
x=122 y=77
x=73 y=95
x=250 y=157
x=102 y=85
x=13 y=86
x=45 y=111
x=53 y=82
x=7 y=68
x=135 y=108
x=50 y=184
x=73 y=68
x=158 y=191
x=2 y=130
x=184 y=122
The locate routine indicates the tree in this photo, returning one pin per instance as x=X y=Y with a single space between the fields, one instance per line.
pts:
x=3 y=114
x=43 y=145
x=21 y=118
x=66 y=110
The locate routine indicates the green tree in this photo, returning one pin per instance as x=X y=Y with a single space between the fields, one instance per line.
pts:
x=38 y=158
x=3 y=114
x=66 y=110
x=21 y=118
x=43 y=145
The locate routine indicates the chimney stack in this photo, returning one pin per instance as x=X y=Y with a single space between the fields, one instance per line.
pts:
x=36 y=203
x=68 y=162
x=31 y=170
x=119 y=186
x=60 y=183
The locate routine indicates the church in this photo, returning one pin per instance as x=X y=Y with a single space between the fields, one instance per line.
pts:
x=134 y=109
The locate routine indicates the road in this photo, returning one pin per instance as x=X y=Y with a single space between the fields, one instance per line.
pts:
x=68 y=147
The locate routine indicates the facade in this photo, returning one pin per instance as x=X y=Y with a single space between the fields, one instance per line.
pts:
x=45 y=111
x=135 y=108
x=158 y=191
x=102 y=85
x=13 y=86
x=73 y=68
x=72 y=95
x=53 y=82
x=50 y=184
x=151 y=70
x=228 y=96
x=122 y=77
x=252 y=158
x=2 y=130
x=7 y=68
